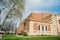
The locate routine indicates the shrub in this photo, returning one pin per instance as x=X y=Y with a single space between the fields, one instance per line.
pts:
x=42 y=35
x=23 y=33
x=20 y=34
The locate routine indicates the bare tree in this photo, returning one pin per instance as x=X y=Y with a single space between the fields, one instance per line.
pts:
x=14 y=8
x=8 y=26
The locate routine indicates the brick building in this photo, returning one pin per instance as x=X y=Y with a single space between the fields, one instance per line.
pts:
x=40 y=23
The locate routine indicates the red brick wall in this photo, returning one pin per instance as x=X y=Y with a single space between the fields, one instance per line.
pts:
x=49 y=28
x=27 y=25
x=20 y=28
x=35 y=26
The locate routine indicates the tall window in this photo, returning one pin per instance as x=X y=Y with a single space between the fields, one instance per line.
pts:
x=42 y=28
x=46 y=28
x=38 y=27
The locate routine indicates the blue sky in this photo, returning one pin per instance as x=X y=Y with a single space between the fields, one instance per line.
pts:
x=41 y=6
x=36 y=6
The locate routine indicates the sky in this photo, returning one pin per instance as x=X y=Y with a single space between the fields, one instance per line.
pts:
x=52 y=6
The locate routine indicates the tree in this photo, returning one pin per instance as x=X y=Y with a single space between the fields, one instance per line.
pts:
x=14 y=9
x=8 y=26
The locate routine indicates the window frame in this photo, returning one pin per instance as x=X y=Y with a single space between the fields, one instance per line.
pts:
x=42 y=28
x=46 y=28
x=38 y=27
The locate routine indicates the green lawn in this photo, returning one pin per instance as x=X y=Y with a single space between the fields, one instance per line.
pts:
x=11 y=37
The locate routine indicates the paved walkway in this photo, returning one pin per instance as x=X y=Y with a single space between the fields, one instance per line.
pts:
x=0 y=36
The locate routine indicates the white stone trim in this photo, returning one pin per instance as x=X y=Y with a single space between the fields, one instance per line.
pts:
x=31 y=31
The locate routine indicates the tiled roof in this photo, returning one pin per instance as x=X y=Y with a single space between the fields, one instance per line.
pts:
x=42 y=17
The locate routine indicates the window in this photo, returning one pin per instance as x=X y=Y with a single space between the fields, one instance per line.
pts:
x=24 y=23
x=59 y=21
x=42 y=28
x=35 y=26
x=46 y=28
x=38 y=27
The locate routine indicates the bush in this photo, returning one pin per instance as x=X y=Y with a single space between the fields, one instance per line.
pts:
x=20 y=34
x=23 y=33
x=42 y=35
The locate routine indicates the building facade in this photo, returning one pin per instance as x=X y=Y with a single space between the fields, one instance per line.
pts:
x=40 y=23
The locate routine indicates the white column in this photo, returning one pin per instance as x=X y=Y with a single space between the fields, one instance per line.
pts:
x=44 y=29
x=41 y=28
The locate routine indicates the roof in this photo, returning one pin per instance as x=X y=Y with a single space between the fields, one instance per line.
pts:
x=39 y=17
x=42 y=17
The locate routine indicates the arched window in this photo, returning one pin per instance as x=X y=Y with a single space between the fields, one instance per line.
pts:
x=46 y=28
x=42 y=28
x=38 y=27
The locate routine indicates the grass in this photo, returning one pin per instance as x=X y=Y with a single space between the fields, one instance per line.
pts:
x=12 y=37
